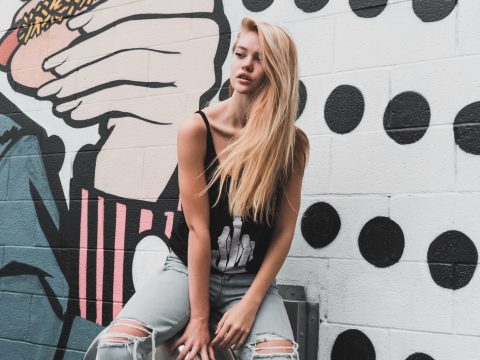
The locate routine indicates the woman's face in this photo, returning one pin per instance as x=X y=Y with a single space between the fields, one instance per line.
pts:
x=246 y=70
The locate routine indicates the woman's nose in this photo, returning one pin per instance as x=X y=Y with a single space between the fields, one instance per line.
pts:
x=247 y=63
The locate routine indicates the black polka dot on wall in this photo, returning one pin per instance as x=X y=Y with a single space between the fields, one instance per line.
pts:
x=407 y=117
x=433 y=10
x=420 y=356
x=352 y=345
x=310 y=6
x=320 y=224
x=368 y=8
x=302 y=98
x=466 y=128
x=381 y=242
x=344 y=109
x=452 y=259
x=257 y=5
x=224 y=92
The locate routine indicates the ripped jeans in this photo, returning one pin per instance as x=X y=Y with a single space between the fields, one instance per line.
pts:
x=162 y=308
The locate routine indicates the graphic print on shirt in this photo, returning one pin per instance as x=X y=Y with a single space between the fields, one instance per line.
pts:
x=235 y=252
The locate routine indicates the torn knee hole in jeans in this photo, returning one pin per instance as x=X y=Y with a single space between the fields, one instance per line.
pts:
x=118 y=333
x=267 y=345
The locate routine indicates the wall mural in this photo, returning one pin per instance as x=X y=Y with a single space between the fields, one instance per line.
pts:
x=91 y=95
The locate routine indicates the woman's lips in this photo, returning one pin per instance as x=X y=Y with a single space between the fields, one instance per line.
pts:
x=8 y=44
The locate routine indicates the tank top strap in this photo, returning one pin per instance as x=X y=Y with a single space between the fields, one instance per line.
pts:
x=210 y=147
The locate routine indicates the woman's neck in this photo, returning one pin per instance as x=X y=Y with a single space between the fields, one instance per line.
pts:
x=236 y=110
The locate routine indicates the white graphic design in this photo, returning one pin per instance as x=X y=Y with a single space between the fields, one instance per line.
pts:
x=233 y=253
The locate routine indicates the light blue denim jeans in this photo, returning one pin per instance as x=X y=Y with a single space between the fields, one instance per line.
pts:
x=163 y=307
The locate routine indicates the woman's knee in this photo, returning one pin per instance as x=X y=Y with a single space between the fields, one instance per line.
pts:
x=124 y=338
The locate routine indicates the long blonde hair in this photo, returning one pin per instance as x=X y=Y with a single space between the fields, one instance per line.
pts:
x=270 y=147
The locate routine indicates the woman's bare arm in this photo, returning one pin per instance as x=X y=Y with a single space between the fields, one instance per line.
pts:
x=191 y=148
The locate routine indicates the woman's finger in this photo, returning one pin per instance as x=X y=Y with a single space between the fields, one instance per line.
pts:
x=221 y=334
x=228 y=338
x=184 y=352
x=177 y=343
x=211 y=352
x=242 y=340
x=204 y=353
x=220 y=323
x=235 y=339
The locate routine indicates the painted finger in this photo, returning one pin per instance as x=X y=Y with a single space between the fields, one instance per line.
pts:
x=147 y=33
x=113 y=71
x=162 y=108
x=109 y=12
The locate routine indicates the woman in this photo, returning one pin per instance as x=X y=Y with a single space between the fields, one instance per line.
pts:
x=240 y=168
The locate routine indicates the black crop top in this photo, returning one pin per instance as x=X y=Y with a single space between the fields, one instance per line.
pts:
x=238 y=245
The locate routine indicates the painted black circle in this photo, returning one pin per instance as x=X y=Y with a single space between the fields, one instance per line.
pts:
x=381 y=242
x=257 y=5
x=224 y=92
x=368 y=8
x=466 y=128
x=310 y=6
x=302 y=98
x=433 y=10
x=352 y=345
x=344 y=109
x=420 y=356
x=452 y=259
x=320 y=224
x=407 y=117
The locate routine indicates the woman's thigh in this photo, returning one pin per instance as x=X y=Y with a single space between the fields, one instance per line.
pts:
x=163 y=302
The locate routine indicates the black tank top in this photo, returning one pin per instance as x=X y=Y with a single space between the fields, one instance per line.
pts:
x=238 y=244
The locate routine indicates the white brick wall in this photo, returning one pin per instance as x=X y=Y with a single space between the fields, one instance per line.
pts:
x=427 y=187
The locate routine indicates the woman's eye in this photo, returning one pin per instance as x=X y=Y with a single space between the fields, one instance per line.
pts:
x=239 y=54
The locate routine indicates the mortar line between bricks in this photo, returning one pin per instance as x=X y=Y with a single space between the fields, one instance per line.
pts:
x=404 y=330
x=391 y=66
x=363 y=260
x=44 y=345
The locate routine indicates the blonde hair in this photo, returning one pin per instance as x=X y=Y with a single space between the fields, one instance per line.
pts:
x=270 y=147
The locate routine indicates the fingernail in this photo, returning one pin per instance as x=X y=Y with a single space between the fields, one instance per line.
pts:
x=50 y=88
x=79 y=21
x=68 y=105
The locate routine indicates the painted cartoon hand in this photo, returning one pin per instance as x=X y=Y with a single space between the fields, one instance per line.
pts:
x=233 y=252
x=133 y=60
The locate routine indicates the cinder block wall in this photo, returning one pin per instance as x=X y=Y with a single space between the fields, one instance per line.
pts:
x=387 y=237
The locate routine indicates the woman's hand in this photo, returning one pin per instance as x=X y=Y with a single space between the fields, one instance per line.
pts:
x=196 y=339
x=235 y=325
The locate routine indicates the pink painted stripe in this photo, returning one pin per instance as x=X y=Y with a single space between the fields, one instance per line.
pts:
x=169 y=223
x=118 y=259
x=146 y=220
x=101 y=207
x=82 y=261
